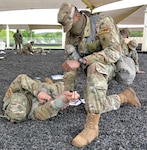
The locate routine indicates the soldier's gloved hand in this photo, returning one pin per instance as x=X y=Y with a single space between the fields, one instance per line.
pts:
x=43 y=97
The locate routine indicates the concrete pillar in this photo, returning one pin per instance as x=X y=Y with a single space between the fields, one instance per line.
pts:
x=63 y=39
x=144 y=43
x=7 y=37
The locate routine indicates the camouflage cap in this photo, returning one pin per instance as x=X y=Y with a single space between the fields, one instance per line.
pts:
x=17 y=107
x=132 y=45
x=65 y=16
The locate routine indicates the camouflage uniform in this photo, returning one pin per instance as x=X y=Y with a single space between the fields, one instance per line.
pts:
x=134 y=55
x=28 y=89
x=93 y=41
x=18 y=39
x=130 y=52
x=27 y=48
x=100 y=65
x=124 y=43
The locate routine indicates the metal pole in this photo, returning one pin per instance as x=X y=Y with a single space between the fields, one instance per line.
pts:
x=7 y=37
x=63 y=39
x=144 y=43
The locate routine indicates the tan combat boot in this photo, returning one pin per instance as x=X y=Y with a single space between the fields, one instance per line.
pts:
x=129 y=96
x=48 y=80
x=90 y=131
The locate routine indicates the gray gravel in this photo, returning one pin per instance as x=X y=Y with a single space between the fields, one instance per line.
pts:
x=123 y=129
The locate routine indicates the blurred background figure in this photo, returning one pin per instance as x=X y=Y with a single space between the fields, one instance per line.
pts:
x=27 y=48
x=18 y=40
x=124 y=39
x=132 y=52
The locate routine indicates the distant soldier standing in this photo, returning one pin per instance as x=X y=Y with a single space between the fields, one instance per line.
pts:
x=18 y=39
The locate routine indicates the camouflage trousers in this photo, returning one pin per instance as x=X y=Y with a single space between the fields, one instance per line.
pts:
x=98 y=77
x=30 y=88
x=17 y=45
x=25 y=51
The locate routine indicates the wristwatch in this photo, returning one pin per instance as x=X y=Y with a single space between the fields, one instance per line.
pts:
x=81 y=61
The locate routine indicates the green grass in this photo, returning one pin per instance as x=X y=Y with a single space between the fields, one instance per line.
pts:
x=48 y=47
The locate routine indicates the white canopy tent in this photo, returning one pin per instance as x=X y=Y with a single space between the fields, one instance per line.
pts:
x=130 y=14
x=20 y=20
x=7 y=5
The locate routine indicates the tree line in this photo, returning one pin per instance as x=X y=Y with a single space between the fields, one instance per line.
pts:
x=38 y=38
x=45 y=38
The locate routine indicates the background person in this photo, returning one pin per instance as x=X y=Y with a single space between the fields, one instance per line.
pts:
x=27 y=48
x=124 y=40
x=132 y=52
x=129 y=47
x=18 y=40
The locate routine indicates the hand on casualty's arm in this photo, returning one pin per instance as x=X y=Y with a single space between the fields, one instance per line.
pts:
x=69 y=96
x=43 y=96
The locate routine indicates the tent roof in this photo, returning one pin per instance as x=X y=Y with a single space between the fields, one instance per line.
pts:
x=7 y=5
x=31 y=26
x=121 y=16
x=133 y=15
x=23 y=21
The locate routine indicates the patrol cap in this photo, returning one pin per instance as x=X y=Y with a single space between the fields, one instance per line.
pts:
x=17 y=108
x=132 y=45
x=65 y=16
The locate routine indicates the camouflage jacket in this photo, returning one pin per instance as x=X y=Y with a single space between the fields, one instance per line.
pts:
x=106 y=51
x=28 y=47
x=18 y=37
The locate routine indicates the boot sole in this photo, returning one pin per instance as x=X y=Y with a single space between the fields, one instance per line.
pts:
x=79 y=146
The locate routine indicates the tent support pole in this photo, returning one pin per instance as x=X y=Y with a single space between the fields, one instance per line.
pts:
x=7 y=37
x=144 y=43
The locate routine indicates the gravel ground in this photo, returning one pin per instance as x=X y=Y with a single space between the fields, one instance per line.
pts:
x=123 y=129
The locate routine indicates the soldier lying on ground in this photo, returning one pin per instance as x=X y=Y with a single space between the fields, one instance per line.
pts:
x=32 y=99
